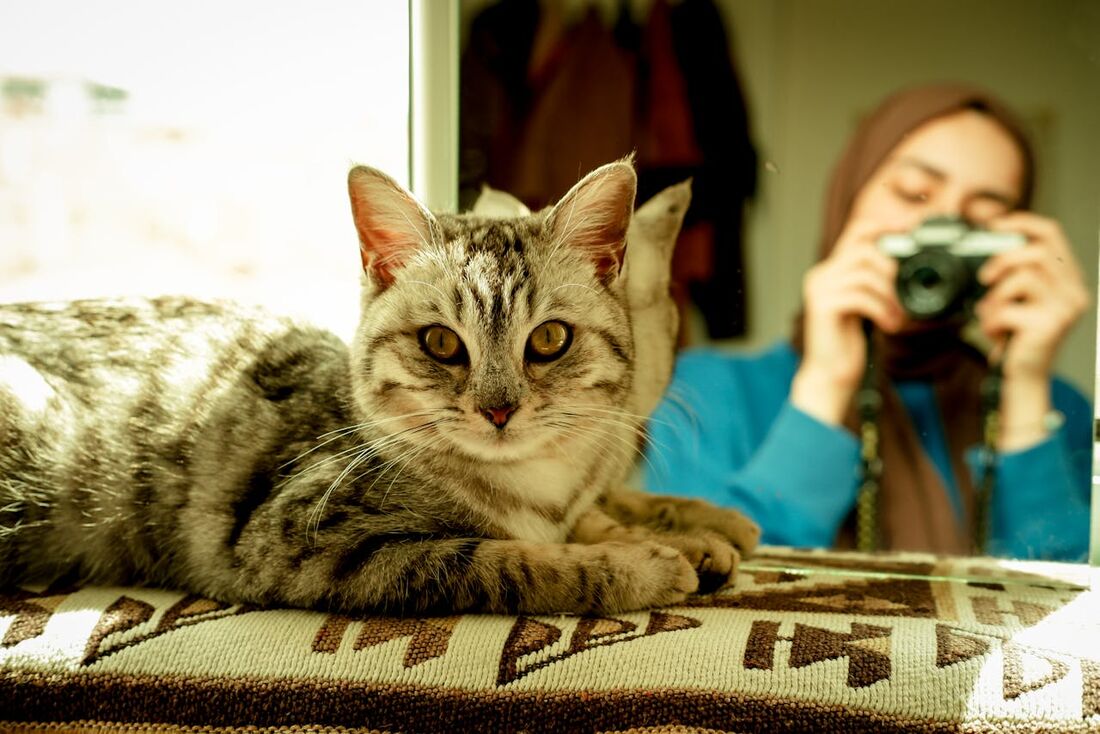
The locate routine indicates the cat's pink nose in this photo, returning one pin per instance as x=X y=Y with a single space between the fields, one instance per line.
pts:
x=498 y=416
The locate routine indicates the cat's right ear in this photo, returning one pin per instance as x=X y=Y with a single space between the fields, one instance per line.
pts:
x=392 y=225
x=594 y=215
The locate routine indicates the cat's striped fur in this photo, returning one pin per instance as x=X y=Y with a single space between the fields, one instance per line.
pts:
x=254 y=459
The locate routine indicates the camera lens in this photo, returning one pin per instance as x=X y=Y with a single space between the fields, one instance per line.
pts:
x=930 y=283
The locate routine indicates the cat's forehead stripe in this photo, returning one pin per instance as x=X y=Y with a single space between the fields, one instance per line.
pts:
x=495 y=271
x=495 y=236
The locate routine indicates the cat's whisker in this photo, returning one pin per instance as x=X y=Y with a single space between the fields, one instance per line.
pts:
x=602 y=427
x=368 y=452
x=331 y=436
x=572 y=429
x=398 y=458
x=648 y=439
x=364 y=450
x=404 y=460
x=336 y=457
x=335 y=436
x=612 y=417
x=572 y=432
x=344 y=431
x=314 y=520
x=611 y=433
x=598 y=407
x=640 y=455
x=679 y=401
x=317 y=465
x=638 y=418
x=372 y=422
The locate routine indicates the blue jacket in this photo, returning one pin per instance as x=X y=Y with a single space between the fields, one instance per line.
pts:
x=727 y=432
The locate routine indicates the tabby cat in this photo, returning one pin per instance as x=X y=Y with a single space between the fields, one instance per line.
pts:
x=467 y=452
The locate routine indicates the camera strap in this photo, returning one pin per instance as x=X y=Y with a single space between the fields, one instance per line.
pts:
x=987 y=465
x=868 y=405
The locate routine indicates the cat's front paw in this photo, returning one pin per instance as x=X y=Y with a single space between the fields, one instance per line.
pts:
x=691 y=516
x=645 y=575
x=711 y=555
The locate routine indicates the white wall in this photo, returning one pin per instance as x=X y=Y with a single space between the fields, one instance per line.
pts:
x=811 y=67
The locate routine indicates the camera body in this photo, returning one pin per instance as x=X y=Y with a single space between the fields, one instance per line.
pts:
x=938 y=264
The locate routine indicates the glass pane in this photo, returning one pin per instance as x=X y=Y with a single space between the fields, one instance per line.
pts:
x=197 y=147
x=755 y=102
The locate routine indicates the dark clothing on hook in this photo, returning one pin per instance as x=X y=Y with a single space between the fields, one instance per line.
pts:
x=544 y=101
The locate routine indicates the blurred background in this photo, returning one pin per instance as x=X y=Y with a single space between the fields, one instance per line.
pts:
x=754 y=99
x=203 y=148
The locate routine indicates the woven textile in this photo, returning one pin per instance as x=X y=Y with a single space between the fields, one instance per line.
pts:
x=807 y=641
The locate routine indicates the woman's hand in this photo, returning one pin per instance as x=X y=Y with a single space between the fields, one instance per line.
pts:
x=855 y=282
x=1036 y=294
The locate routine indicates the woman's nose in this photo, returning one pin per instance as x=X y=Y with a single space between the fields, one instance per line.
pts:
x=946 y=203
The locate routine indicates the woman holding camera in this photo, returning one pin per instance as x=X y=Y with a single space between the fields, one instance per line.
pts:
x=777 y=434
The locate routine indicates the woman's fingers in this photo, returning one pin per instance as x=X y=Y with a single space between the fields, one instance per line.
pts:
x=861 y=287
x=855 y=282
x=1033 y=226
x=1034 y=256
x=1034 y=276
x=1015 y=319
x=1046 y=242
x=865 y=272
x=869 y=304
x=1022 y=284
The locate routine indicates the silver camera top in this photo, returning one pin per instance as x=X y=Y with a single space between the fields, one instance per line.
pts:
x=958 y=237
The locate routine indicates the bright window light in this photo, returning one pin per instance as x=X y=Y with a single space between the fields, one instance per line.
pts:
x=197 y=148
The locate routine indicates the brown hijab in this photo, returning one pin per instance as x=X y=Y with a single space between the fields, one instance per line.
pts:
x=914 y=508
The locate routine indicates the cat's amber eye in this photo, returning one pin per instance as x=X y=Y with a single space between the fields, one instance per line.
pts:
x=442 y=344
x=548 y=341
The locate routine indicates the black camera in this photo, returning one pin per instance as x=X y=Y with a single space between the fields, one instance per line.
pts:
x=938 y=264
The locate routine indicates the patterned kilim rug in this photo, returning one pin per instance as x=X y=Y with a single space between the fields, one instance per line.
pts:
x=807 y=641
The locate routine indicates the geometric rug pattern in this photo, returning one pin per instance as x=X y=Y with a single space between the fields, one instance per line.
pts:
x=805 y=641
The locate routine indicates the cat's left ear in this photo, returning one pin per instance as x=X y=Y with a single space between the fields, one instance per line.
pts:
x=392 y=225
x=595 y=214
